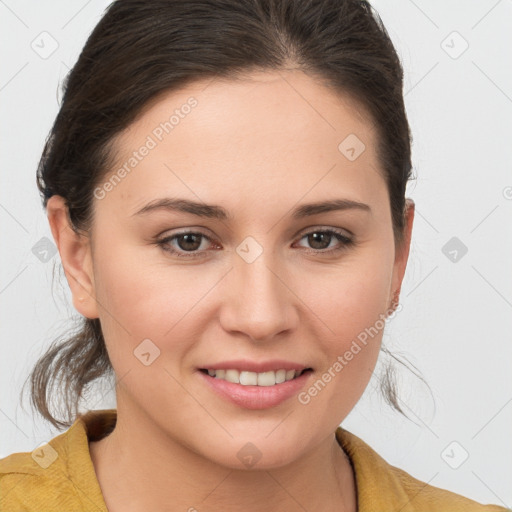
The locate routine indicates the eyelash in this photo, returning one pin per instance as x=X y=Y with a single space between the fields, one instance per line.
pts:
x=346 y=243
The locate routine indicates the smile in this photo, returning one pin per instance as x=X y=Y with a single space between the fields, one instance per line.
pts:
x=246 y=378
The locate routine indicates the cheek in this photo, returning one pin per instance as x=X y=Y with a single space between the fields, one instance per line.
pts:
x=141 y=295
x=350 y=305
x=349 y=297
x=128 y=299
x=349 y=359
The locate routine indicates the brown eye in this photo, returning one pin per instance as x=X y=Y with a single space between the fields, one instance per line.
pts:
x=189 y=241
x=186 y=244
x=320 y=240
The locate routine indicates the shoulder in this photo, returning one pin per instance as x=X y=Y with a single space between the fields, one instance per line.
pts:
x=425 y=497
x=381 y=486
x=57 y=475
x=35 y=480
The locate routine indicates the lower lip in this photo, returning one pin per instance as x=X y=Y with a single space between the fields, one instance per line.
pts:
x=256 y=397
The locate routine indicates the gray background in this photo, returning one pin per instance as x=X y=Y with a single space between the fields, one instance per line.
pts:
x=456 y=319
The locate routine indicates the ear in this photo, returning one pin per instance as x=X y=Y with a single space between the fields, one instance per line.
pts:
x=402 y=254
x=76 y=257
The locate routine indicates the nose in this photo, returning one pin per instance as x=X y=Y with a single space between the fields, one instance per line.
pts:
x=258 y=301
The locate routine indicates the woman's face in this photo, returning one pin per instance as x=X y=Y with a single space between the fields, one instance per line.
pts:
x=267 y=281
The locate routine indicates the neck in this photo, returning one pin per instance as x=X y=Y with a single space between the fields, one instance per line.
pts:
x=138 y=456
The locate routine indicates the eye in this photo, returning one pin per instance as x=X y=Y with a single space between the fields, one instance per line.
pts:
x=187 y=244
x=320 y=240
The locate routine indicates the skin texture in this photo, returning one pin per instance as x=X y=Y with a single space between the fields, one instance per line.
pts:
x=259 y=147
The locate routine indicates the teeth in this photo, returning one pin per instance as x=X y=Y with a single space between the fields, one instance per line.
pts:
x=232 y=376
x=248 y=378
x=255 y=379
x=281 y=376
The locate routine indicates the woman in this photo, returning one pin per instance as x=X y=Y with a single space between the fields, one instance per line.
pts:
x=225 y=182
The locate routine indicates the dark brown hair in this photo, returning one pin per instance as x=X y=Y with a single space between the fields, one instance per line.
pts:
x=142 y=48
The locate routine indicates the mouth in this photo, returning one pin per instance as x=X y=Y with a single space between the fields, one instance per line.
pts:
x=247 y=378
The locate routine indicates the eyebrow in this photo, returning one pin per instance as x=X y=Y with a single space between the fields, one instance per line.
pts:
x=218 y=212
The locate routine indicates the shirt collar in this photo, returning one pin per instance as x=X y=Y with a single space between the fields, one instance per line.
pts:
x=378 y=486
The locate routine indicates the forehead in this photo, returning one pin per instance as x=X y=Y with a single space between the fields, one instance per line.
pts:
x=275 y=135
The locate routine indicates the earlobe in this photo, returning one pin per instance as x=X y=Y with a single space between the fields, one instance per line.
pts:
x=402 y=255
x=76 y=257
x=409 y=221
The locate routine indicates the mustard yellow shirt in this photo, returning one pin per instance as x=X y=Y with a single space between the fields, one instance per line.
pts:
x=60 y=476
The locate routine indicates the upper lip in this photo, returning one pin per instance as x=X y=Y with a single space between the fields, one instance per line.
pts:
x=255 y=366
